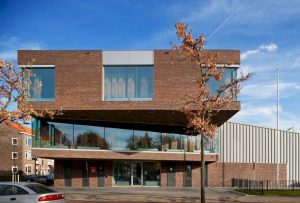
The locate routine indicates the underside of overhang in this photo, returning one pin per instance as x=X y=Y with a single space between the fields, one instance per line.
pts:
x=171 y=121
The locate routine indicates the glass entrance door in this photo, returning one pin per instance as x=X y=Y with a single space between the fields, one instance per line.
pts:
x=136 y=178
x=127 y=173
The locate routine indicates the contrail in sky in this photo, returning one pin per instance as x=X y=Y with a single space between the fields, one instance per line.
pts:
x=224 y=22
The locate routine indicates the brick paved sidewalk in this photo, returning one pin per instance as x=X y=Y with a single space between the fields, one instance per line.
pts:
x=161 y=194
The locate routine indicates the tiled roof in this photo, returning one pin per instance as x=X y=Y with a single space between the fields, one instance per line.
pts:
x=19 y=127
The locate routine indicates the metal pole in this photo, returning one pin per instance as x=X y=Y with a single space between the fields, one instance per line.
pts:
x=202 y=170
x=34 y=158
x=277 y=131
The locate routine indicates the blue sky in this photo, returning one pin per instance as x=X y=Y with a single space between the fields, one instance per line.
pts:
x=266 y=32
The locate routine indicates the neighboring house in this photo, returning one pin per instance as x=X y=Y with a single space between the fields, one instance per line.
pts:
x=15 y=152
x=121 y=122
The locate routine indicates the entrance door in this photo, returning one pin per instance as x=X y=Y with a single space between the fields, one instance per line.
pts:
x=171 y=175
x=100 y=173
x=85 y=174
x=188 y=175
x=68 y=173
x=136 y=178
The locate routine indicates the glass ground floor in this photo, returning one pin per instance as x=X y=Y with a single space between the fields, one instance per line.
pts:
x=126 y=173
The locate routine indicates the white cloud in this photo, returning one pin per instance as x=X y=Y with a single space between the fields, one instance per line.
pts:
x=269 y=48
x=296 y=63
x=268 y=90
x=261 y=49
x=266 y=116
x=9 y=47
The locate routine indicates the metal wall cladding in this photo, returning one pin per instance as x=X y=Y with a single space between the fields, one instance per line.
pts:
x=241 y=143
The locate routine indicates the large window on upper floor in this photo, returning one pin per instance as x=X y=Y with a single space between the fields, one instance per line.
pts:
x=230 y=74
x=42 y=86
x=126 y=83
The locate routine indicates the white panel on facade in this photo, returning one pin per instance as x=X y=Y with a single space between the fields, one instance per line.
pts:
x=251 y=152
x=128 y=57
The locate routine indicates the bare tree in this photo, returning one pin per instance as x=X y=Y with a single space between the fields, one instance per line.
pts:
x=14 y=90
x=203 y=105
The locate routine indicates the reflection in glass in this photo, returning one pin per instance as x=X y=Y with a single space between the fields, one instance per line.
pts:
x=89 y=137
x=122 y=174
x=65 y=135
x=144 y=140
x=119 y=139
x=188 y=175
x=173 y=142
x=151 y=171
x=56 y=134
x=42 y=83
x=136 y=173
x=229 y=75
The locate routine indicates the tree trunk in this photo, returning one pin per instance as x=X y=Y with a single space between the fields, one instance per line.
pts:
x=202 y=170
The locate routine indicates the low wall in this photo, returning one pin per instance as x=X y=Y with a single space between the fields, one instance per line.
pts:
x=221 y=174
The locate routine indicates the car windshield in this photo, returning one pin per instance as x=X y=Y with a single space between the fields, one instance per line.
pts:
x=40 y=189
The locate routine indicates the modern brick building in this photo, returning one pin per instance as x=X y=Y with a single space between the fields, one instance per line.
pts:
x=122 y=124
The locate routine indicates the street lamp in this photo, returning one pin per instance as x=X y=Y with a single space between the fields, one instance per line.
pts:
x=34 y=159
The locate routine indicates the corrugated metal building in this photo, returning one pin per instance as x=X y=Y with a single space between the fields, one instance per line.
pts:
x=241 y=143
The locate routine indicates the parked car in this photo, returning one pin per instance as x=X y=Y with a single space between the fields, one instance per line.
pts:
x=46 y=180
x=24 y=192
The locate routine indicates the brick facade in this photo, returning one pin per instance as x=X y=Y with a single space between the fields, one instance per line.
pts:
x=79 y=92
x=6 y=148
x=221 y=174
x=79 y=86
x=108 y=171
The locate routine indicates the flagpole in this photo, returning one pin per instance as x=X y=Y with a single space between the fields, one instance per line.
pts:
x=277 y=131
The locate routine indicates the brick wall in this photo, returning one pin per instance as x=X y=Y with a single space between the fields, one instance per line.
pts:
x=79 y=79
x=196 y=175
x=220 y=174
x=6 y=134
x=59 y=180
x=77 y=173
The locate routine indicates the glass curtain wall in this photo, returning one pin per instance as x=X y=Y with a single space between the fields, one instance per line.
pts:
x=144 y=140
x=48 y=134
x=89 y=137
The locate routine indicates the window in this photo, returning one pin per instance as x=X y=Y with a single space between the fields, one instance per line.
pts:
x=119 y=139
x=28 y=168
x=14 y=169
x=6 y=190
x=28 y=141
x=14 y=155
x=229 y=75
x=28 y=155
x=40 y=189
x=14 y=141
x=86 y=136
x=128 y=83
x=42 y=83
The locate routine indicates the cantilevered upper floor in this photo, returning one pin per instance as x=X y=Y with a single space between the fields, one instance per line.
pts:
x=127 y=87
